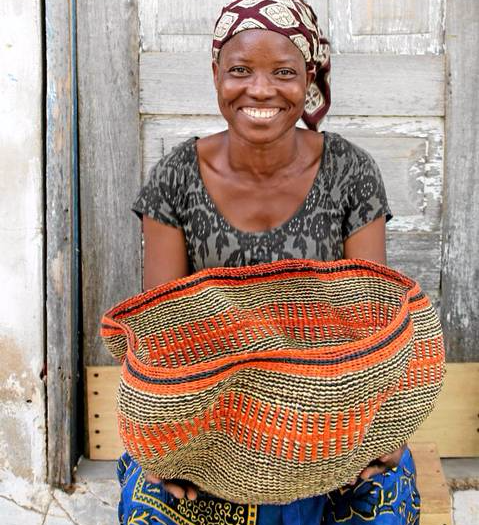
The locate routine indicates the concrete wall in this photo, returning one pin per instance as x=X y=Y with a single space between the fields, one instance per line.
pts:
x=22 y=396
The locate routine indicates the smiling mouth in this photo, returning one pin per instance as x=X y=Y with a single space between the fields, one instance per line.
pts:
x=263 y=113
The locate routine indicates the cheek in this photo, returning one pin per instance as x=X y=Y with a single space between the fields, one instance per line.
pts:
x=297 y=95
x=227 y=91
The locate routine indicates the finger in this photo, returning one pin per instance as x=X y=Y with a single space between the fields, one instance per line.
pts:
x=175 y=490
x=191 y=492
x=151 y=478
x=391 y=460
x=368 y=472
x=394 y=456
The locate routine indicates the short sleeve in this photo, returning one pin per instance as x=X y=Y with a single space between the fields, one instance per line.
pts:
x=366 y=196
x=157 y=199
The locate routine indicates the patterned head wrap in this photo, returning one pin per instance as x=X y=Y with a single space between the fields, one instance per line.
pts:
x=295 y=20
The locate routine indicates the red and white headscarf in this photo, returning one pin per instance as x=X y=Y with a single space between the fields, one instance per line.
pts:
x=295 y=20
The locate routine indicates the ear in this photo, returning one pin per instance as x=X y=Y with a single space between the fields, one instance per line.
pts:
x=215 y=67
x=310 y=76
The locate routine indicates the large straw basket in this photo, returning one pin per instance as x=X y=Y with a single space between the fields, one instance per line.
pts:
x=280 y=381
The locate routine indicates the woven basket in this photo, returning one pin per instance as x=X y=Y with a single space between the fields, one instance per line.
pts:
x=275 y=382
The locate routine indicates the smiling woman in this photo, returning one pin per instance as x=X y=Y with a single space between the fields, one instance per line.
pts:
x=262 y=191
x=262 y=81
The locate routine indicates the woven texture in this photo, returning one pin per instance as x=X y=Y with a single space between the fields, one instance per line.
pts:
x=275 y=382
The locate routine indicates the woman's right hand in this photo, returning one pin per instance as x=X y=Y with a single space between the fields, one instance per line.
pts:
x=176 y=487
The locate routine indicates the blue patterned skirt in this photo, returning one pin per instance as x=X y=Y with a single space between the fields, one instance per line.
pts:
x=384 y=499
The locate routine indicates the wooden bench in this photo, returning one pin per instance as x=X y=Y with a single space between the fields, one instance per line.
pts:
x=451 y=431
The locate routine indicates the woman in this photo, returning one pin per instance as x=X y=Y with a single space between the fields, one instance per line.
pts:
x=261 y=191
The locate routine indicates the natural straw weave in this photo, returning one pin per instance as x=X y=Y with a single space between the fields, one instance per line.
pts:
x=280 y=381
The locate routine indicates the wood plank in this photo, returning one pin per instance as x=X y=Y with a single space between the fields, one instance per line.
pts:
x=321 y=9
x=382 y=26
x=181 y=83
x=432 y=485
x=181 y=17
x=101 y=386
x=452 y=425
x=460 y=313
x=383 y=17
x=417 y=254
x=109 y=161
x=185 y=26
x=62 y=356
x=455 y=420
x=422 y=172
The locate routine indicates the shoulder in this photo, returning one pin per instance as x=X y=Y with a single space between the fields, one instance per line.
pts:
x=344 y=149
x=176 y=169
x=181 y=156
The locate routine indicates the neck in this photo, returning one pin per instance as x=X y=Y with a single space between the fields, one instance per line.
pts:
x=261 y=161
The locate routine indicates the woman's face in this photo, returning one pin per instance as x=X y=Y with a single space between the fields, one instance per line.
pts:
x=261 y=80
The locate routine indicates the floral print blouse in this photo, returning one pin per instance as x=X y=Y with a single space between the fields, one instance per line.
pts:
x=347 y=193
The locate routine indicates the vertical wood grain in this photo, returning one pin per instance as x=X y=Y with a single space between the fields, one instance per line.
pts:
x=61 y=361
x=109 y=161
x=383 y=17
x=413 y=27
x=460 y=278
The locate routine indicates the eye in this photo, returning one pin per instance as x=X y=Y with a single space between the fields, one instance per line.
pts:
x=239 y=71
x=285 y=73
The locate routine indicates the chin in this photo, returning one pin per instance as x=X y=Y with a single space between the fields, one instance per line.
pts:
x=261 y=134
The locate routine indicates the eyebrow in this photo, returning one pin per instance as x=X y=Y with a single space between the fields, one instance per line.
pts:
x=246 y=60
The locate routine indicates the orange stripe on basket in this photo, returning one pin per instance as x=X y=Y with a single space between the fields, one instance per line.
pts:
x=153 y=441
x=351 y=428
x=247 y=428
x=245 y=420
x=282 y=433
x=253 y=424
x=262 y=428
x=326 y=435
x=322 y=370
x=140 y=439
x=237 y=414
x=150 y=299
x=271 y=429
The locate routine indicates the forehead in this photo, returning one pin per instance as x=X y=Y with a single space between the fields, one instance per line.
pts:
x=255 y=43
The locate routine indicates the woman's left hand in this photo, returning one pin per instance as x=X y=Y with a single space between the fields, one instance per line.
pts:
x=382 y=464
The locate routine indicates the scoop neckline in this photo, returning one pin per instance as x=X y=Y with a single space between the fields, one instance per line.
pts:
x=282 y=226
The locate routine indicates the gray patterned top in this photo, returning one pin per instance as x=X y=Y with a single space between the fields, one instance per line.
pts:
x=347 y=193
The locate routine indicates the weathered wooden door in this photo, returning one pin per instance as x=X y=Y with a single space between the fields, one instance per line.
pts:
x=388 y=78
x=145 y=84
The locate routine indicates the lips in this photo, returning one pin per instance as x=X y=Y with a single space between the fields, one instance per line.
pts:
x=260 y=113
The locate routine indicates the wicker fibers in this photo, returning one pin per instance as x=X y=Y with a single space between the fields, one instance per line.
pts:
x=275 y=382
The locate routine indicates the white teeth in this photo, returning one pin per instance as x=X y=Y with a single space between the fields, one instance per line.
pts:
x=261 y=113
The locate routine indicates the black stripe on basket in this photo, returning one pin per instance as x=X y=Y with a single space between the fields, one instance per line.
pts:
x=281 y=271
x=294 y=361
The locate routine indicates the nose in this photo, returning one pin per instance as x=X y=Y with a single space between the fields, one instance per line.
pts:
x=260 y=87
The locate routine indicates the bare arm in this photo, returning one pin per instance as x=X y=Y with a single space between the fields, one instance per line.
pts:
x=165 y=256
x=368 y=242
